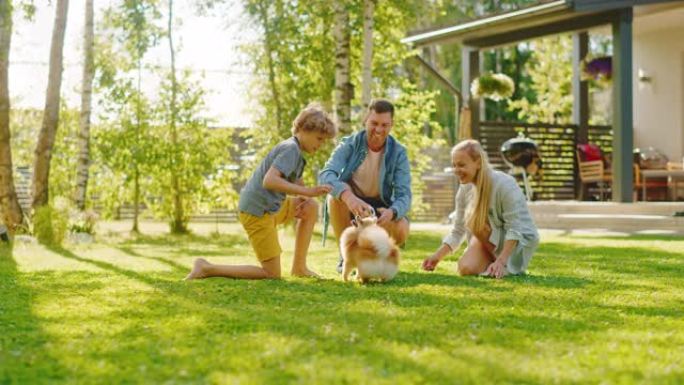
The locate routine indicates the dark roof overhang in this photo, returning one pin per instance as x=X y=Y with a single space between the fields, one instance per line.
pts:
x=542 y=19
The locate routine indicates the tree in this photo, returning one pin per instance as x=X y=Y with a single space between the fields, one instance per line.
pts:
x=262 y=10
x=178 y=223
x=86 y=96
x=132 y=25
x=305 y=64
x=119 y=145
x=344 y=90
x=550 y=69
x=181 y=163
x=185 y=167
x=177 y=166
x=303 y=70
x=510 y=60
x=65 y=159
x=46 y=137
x=367 y=72
x=11 y=214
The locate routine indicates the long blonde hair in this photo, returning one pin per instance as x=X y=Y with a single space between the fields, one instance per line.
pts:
x=476 y=214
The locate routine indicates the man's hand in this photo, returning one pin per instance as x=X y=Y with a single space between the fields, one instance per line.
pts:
x=356 y=206
x=386 y=215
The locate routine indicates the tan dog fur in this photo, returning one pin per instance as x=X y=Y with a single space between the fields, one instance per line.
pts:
x=370 y=250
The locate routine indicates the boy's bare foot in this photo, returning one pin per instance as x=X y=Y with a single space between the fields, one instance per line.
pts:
x=197 y=269
x=305 y=273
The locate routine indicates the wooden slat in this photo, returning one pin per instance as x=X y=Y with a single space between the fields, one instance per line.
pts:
x=556 y=144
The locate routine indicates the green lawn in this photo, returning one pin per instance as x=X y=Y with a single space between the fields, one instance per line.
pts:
x=593 y=310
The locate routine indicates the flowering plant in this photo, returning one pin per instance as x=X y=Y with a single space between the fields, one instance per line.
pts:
x=83 y=222
x=599 y=69
x=493 y=86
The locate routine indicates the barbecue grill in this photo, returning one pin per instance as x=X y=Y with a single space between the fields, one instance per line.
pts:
x=522 y=155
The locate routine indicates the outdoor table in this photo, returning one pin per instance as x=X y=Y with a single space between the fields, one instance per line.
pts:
x=672 y=175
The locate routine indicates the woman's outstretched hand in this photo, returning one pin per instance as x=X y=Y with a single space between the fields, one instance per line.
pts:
x=430 y=263
x=496 y=269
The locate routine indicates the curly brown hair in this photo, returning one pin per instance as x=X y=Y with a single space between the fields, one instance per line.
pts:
x=314 y=118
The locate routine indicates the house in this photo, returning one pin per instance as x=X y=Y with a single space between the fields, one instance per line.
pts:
x=647 y=79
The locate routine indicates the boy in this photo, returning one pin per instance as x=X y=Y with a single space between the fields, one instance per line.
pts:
x=263 y=203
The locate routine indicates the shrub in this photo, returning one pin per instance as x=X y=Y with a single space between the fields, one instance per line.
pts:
x=49 y=225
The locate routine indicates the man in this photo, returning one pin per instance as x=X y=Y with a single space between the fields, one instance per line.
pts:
x=369 y=170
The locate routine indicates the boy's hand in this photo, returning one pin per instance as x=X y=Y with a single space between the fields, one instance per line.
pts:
x=318 y=190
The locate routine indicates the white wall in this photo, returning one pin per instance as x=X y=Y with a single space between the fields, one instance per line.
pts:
x=659 y=104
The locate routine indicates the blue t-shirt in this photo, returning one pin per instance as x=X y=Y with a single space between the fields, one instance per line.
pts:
x=286 y=157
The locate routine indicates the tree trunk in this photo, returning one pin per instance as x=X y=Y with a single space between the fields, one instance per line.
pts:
x=178 y=223
x=10 y=211
x=136 y=152
x=367 y=73
x=136 y=198
x=344 y=90
x=86 y=95
x=46 y=138
x=268 y=45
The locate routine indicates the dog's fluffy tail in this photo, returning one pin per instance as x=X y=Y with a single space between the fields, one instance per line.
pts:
x=377 y=238
x=348 y=240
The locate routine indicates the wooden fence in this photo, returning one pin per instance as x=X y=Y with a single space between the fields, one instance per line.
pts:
x=557 y=144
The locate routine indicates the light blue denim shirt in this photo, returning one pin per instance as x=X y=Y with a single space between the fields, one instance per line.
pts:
x=509 y=218
x=395 y=172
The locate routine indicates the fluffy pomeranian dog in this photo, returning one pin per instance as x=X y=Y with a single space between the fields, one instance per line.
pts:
x=370 y=250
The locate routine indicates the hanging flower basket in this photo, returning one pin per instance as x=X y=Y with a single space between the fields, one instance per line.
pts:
x=599 y=69
x=493 y=86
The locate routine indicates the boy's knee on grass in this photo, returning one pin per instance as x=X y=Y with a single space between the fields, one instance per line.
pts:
x=272 y=267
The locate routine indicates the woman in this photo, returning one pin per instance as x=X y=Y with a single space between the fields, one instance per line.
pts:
x=492 y=214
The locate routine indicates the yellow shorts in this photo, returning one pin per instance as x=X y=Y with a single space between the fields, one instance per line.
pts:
x=263 y=231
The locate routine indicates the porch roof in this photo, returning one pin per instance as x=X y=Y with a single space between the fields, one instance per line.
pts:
x=543 y=18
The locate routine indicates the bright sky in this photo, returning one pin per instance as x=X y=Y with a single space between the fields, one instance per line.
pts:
x=206 y=44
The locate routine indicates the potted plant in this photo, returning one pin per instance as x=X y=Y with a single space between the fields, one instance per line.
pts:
x=495 y=86
x=598 y=69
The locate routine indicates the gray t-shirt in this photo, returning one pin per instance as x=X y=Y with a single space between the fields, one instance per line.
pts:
x=286 y=157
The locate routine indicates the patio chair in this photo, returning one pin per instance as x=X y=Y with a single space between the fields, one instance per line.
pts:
x=659 y=185
x=592 y=170
x=676 y=184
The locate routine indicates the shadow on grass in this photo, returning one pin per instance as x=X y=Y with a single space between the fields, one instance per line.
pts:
x=675 y=312
x=145 y=278
x=633 y=237
x=177 y=267
x=263 y=328
x=431 y=278
x=551 y=281
x=408 y=278
x=188 y=244
x=220 y=240
x=23 y=357
x=637 y=262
